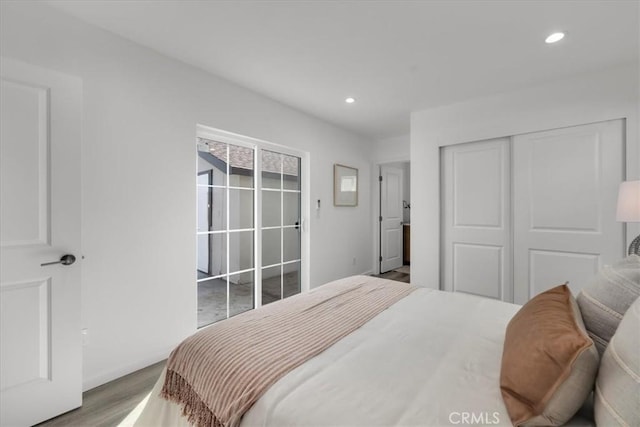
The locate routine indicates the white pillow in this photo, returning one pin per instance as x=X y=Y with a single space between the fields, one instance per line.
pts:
x=617 y=397
x=607 y=297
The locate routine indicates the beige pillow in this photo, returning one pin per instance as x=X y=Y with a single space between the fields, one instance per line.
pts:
x=604 y=301
x=549 y=363
x=617 y=397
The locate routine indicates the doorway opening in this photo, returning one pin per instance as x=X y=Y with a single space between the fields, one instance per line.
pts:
x=394 y=220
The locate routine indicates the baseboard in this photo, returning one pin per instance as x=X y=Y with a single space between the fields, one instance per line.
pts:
x=367 y=273
x=114 y=374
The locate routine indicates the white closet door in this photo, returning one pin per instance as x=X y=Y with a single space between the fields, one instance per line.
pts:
x=476 y=216
x=565 y=185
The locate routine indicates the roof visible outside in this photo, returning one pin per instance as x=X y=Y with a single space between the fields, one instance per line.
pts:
x=242 y=157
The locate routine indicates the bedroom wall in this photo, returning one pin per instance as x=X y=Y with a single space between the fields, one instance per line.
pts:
x=608 y=94
x=141 y=108
x=392 y=149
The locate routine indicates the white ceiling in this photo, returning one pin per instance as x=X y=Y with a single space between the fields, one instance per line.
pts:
x=394 y=57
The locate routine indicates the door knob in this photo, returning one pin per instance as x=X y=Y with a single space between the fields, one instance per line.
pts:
x=67 y=259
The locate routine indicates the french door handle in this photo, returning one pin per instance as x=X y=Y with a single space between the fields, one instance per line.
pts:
x=67 y=259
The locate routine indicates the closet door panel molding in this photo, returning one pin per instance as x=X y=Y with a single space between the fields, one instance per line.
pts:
x=578 y=268
x=477 y=270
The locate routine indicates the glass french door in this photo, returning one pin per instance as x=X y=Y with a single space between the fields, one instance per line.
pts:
x=248 y=232
x=281 y=200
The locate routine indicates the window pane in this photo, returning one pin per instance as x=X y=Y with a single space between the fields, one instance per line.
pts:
x=219 y=177
x=212 y=301
x=271 y=284
x=291 y=170
x=218 y=209
x=271 y=206
x=212 y=156
x=291 y=208
x=212 y=211
x=271 y=169
x=240 y=293
x=204 y=219
x=212 y=259
x=271 y=246
x=240 y=209
x=241 y=174
x=291 y=244
x=203 y=179
x=240 y=251
x=291 y=280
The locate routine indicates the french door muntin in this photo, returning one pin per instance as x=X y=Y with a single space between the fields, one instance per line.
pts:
x=276 y=266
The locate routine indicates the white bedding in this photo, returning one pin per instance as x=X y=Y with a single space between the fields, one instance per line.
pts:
x=428 y=360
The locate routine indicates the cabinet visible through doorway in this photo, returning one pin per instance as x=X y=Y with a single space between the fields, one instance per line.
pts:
x=406 y=244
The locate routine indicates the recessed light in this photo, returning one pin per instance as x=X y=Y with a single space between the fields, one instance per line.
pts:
x=350 y=100
x=553 y=38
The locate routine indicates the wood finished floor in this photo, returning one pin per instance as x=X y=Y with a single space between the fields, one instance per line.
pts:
x=110 y=403
x=396 y=275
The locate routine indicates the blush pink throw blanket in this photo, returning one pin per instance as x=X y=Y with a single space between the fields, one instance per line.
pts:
x=217 y=374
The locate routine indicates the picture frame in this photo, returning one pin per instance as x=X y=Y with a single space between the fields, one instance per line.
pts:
x=345 y=185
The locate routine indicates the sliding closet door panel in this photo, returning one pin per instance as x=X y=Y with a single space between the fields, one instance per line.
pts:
x=476 y=217
x=565 y=188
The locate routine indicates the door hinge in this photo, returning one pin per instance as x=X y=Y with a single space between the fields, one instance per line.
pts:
x=380 y=219
x=380 y=259
x=380 y=178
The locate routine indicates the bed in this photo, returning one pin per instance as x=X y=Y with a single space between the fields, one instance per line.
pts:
x=431 y=359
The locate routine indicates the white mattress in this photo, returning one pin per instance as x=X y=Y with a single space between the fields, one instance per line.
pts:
x=427 y=360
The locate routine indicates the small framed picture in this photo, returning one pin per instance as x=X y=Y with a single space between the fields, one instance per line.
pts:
x=345 y=185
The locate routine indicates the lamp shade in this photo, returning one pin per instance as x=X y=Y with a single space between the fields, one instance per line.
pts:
x=629 y=202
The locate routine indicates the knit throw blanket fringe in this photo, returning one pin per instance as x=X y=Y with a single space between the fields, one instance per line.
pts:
x=217 y=374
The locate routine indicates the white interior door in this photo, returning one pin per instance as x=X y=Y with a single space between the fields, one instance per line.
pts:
x=41 y=350
x=565 y=188
x=476 y=215
x=391 y=218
